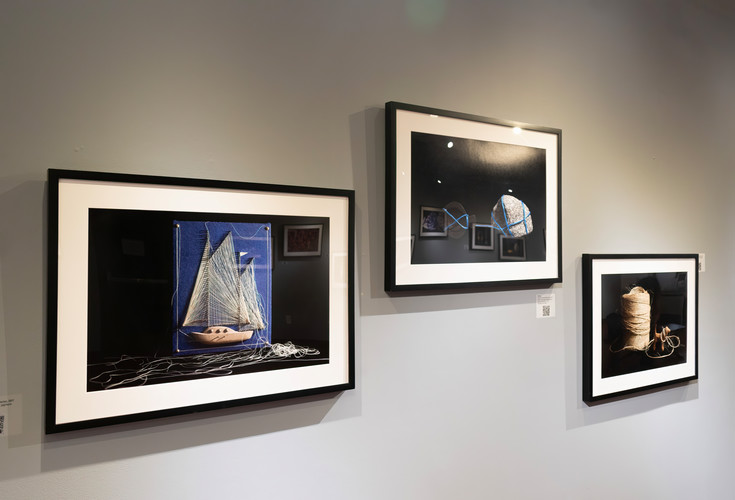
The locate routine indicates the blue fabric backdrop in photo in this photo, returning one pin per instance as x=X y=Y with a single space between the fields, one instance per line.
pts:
x=189 y=241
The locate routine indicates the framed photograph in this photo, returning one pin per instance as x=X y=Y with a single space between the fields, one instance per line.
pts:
x=474 y=170
x=163 y=297
x=640 y=323
x=482 y=237
x=433 y=223
x=302 y=240
x=512 y=248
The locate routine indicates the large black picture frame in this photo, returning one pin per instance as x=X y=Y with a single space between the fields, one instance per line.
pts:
x=478 y=170
x=640 y=323
x=114 y=267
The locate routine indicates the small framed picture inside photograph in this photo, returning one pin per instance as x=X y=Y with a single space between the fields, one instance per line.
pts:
x=512 y=248
x=482 y=237
x=433 y=222
x=302 y=240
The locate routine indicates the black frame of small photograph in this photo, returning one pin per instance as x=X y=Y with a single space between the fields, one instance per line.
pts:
x=640 y=323
x=476 y=169
x=429 y=218
x=120 y=343
x=482 y=237
x=512 y=248
x=307 y=244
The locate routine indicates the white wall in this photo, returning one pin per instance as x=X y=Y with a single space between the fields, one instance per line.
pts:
x=459 y=395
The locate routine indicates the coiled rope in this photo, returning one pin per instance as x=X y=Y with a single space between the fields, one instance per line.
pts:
x=635 y=310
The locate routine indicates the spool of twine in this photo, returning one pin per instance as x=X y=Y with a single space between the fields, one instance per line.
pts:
x=635 y=309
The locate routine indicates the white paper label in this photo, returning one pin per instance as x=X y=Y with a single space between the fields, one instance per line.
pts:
x=545 y=305
x=5 y=404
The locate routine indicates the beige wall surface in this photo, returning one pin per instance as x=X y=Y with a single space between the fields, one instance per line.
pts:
x=463 y=395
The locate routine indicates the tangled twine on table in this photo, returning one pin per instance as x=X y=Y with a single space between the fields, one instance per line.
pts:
x=663 y=338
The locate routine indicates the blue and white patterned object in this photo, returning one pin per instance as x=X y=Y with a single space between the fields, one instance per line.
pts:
x=512 y=217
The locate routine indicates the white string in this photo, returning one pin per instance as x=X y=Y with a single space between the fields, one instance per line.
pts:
x=251 y=302
x=197 y=308
x=210 y=364
x=225 y=306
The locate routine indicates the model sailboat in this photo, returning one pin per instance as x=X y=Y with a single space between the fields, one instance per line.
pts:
x=224 y=299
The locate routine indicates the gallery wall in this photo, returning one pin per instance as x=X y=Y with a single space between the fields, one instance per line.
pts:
x=459 y=395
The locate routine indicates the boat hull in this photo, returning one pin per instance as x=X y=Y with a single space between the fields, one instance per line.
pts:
x=223 y=336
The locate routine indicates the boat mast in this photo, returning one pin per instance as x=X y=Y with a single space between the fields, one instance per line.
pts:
x=207 y=271
x=239 y=293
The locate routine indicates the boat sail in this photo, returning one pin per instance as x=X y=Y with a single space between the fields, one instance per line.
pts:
x=224 y=299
